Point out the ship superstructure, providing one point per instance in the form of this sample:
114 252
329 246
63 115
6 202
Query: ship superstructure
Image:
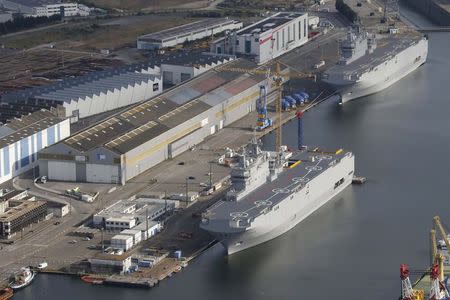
368 65
273 191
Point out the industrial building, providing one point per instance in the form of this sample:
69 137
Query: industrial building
57 209
187 65
82 98
6 195
125 214
187 32
101 91
21 139
20 212
130 142
63 9
266 39
45 8
104 263
148 229
122 241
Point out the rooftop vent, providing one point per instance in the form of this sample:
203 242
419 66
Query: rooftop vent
269 25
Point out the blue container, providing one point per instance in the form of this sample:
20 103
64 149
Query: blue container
291 100
305 96
285 104
299 98
145 264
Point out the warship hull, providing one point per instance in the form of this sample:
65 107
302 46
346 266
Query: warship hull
381 75
315 191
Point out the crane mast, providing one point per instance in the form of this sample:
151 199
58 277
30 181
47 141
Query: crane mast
438 223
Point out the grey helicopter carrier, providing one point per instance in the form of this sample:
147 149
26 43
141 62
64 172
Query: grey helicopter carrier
274 191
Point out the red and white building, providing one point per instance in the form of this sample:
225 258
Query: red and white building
266 39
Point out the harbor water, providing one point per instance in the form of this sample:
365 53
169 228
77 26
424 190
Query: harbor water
352 247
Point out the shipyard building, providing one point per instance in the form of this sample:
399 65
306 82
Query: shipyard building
186 33
132 141
89 95
21 139
18 210
266 39
63 9
107 90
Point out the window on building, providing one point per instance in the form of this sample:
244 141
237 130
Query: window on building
282 39
278 40
51 135
304 28
156 86
299 30
293 31
39 141
6 163
185 76
289 33
256 40
248 46
237 42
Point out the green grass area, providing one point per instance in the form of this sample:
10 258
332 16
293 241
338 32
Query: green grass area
137 4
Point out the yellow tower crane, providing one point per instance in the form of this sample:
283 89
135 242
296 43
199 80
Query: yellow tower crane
278 78
438 257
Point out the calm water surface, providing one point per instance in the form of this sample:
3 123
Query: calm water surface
352 247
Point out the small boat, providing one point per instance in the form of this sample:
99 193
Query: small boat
359 179
6 294
92 280
177 269
22 279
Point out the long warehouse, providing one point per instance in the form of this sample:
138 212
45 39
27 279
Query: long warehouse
129 143
21 139
187 32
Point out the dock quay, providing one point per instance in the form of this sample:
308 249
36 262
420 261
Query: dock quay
67 253
168 175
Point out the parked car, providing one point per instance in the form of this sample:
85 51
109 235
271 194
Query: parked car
42 265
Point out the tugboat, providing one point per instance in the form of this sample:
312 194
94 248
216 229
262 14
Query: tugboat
6 294
22 279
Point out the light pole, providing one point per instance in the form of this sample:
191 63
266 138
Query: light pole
210 174
187 187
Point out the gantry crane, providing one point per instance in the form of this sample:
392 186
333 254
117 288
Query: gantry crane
278 78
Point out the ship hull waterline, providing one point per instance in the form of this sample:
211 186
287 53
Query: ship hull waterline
242 241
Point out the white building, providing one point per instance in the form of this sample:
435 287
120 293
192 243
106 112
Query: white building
266 39
21 139
120 241
120 223
100 92
153 228
126 214
187 32
108 263
63 9
136 234
58 209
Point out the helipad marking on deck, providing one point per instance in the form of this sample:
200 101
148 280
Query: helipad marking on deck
239 214
263 203
313 168
300 179
281 191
